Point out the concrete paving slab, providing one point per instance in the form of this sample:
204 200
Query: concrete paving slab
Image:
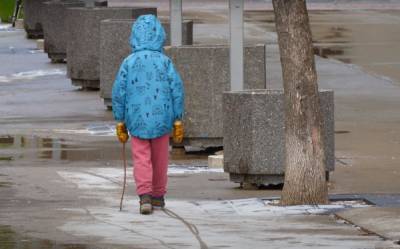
382 221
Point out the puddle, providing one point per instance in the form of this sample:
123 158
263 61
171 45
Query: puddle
5 184
12 240
13 148
24 147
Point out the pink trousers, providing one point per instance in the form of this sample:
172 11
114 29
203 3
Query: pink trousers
150 165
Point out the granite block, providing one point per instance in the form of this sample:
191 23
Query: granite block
114 47
33 14
205 73
83 45
54 28
254 133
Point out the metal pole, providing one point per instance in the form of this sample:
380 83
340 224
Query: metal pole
175 8
236 41
17 9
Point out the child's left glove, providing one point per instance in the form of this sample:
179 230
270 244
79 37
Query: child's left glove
178 132
122 132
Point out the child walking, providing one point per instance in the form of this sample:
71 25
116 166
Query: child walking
148 97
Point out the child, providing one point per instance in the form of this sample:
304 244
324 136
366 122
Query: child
148 97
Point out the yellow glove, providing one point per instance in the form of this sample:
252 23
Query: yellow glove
177 135
122 133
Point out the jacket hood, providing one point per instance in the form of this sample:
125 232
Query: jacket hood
147 34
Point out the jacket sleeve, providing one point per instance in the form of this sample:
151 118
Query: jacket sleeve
119 92
177 90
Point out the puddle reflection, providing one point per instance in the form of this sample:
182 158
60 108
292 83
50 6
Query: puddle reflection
21 147
30 148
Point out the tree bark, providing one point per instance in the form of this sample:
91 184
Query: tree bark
305 181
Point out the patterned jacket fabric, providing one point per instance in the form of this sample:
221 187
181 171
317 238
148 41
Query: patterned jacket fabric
148 93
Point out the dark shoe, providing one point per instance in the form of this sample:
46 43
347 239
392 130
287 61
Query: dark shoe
145 204
158 202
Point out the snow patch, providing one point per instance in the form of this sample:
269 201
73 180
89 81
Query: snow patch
89 181
31 75
176 170
5 27
112 178
243 223
107 130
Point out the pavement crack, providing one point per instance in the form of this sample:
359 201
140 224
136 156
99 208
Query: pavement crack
192 228
341 161
104 177
129 230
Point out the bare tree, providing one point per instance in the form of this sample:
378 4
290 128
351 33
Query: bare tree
305 181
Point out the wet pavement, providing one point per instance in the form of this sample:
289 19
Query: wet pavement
61 171
35 149
367 38
9 239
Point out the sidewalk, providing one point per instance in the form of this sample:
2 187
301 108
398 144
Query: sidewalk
66 191
382 221
80 205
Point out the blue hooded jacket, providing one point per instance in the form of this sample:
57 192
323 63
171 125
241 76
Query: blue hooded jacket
148 93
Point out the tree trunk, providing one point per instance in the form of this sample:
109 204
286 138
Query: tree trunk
305 158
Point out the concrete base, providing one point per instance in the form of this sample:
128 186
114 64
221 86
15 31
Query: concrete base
114 47
40 44
204 70
86 84
202 142
262 179
57 57
256 179
216 161
19 24
101 3
34 34
254 135
83 45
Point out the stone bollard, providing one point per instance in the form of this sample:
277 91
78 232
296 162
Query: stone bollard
83 45
254 135
114 47
205 73
33 14
54 29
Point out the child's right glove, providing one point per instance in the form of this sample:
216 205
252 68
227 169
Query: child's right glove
177 135
122 133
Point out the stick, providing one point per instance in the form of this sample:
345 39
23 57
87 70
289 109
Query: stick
123 187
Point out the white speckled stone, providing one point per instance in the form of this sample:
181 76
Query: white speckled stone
54 28
205 73
83 45
254 133
114 47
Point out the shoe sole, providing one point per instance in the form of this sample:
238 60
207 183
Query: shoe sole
158 204
158 207
146 209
